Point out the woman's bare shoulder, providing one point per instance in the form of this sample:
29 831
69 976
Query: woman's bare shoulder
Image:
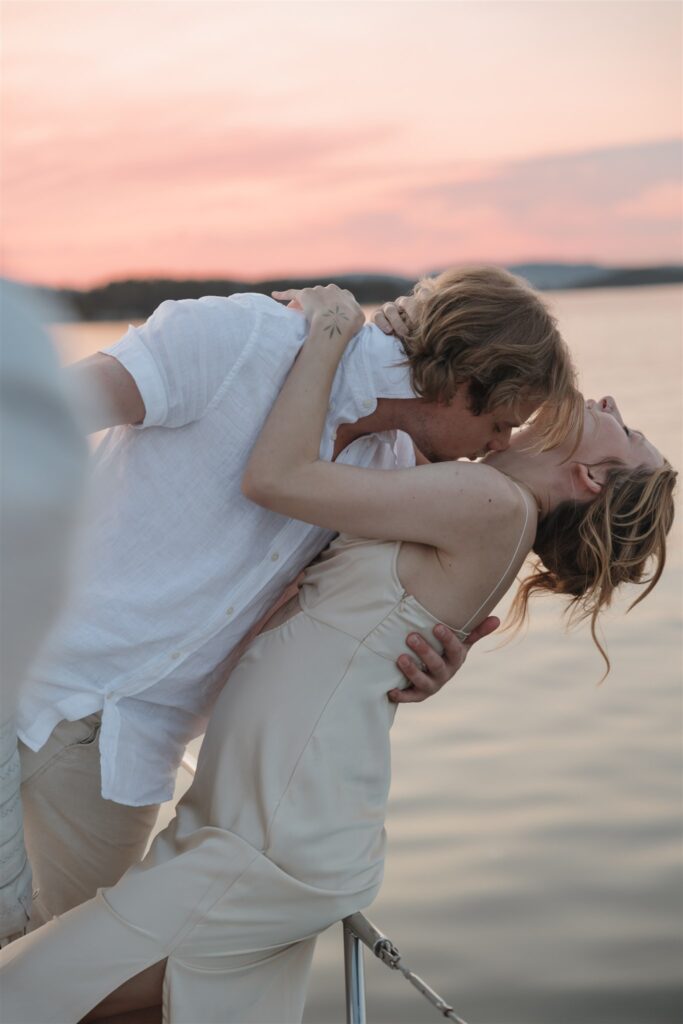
492 510
492 492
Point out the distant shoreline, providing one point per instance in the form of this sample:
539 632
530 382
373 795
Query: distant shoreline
137 299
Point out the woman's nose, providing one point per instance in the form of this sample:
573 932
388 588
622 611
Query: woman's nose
607 404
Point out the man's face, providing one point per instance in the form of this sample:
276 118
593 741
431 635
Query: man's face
452 431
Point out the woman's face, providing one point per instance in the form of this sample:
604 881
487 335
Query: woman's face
607 438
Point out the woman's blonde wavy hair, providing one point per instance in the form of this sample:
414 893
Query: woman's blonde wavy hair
585 550
483 327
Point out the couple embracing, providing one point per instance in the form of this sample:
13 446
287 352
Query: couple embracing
232 465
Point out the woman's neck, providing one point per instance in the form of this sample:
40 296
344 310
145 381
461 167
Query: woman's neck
536 471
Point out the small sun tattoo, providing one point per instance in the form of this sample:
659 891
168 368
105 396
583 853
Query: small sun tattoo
334 316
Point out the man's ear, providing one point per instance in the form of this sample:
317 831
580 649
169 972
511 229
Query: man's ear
585 483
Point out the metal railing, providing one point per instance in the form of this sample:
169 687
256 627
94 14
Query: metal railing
359 932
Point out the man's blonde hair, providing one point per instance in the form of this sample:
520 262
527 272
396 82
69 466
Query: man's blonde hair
484 328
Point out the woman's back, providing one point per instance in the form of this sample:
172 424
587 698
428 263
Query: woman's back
459 587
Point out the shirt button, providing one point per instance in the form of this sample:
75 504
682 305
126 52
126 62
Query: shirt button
229 611
367 404
175 655
274 557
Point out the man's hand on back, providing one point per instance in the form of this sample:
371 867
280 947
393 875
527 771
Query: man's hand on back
436 668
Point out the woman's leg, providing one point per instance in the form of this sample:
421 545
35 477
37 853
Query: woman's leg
150 1015
265 988
58 973
260 987
138 998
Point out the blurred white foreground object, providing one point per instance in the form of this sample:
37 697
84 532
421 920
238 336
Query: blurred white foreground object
42 460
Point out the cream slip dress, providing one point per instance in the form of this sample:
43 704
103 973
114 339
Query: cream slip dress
280 835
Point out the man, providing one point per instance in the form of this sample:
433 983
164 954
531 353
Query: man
180 567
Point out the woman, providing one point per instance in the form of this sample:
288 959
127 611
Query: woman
281 833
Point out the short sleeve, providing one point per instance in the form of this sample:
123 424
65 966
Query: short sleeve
404 449
182 355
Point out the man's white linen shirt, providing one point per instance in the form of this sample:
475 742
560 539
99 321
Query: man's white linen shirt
178 565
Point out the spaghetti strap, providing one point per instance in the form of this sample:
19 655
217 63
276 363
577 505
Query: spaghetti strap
464 628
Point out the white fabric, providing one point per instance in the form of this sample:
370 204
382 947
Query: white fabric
179 564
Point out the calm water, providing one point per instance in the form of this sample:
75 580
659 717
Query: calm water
534 873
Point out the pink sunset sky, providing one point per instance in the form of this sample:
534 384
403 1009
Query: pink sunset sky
247 140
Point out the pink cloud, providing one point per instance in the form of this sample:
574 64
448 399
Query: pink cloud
660 202
146 138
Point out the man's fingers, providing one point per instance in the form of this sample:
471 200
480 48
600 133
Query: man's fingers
408 696
435 669
423 685
484 628
431 659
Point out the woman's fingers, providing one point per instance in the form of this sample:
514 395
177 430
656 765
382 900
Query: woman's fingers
380 320
290 296
396 320
336 307
395 317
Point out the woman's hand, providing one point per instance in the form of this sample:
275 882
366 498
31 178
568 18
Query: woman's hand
284 465
396 317
332 310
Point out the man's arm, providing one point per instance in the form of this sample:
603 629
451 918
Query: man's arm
106 392
167 371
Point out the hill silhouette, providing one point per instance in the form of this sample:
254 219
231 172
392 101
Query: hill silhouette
137 298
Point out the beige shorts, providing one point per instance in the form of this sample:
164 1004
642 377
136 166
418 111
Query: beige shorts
76 840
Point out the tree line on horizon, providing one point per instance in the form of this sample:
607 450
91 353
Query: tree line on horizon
138 298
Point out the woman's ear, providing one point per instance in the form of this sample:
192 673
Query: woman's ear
585 484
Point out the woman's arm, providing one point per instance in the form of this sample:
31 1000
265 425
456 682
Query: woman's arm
289 442
445 505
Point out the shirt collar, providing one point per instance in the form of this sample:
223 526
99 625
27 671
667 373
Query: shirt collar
378 360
